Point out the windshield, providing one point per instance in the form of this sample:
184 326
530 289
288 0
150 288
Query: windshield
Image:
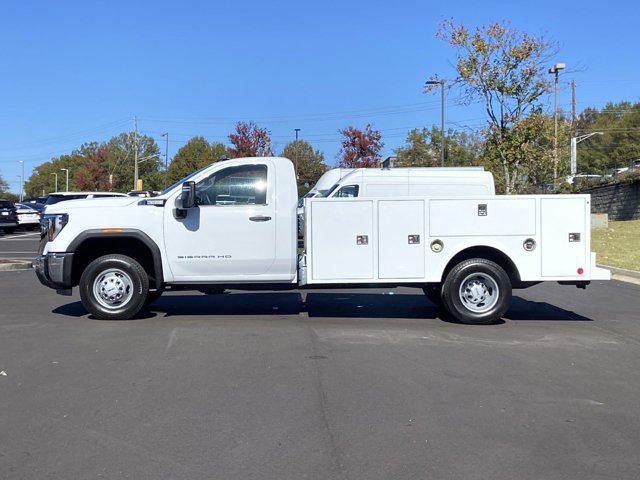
327 193
5 204
182 180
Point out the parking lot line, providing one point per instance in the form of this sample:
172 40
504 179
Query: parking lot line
18 237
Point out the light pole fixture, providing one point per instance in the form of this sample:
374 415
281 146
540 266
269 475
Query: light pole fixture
574 149
56 184
555 70
441 83
297 130
66 170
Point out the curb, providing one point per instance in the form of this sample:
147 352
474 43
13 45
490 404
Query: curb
623 275
13 266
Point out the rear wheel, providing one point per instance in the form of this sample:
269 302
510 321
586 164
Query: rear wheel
114 287
476 291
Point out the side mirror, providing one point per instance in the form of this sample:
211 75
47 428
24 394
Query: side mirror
188 195
186 200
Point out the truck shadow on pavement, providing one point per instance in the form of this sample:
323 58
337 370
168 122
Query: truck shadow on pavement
323 305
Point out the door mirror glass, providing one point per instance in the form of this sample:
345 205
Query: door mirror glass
188 196
186 200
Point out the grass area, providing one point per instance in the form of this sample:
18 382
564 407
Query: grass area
618 245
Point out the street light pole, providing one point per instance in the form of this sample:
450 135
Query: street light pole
56 187
574 149
66 170
22 180
441 83
297 130
135 153
555 70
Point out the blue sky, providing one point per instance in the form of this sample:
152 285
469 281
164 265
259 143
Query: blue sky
77 71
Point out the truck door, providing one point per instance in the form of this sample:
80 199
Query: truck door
401 239
564 236
231 233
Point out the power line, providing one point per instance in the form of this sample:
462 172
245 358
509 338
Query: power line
66 137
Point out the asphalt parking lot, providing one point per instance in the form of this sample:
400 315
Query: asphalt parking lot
365 384
20 245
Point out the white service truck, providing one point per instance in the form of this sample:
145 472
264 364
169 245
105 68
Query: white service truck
233 225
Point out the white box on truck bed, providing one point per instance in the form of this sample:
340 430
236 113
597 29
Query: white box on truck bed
385 241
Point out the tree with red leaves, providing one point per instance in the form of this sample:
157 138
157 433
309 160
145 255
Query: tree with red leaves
93 174
360 149
250 141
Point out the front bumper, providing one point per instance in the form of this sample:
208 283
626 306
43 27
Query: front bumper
54 270
6 222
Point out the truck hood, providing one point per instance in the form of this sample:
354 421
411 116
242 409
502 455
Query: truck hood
63 207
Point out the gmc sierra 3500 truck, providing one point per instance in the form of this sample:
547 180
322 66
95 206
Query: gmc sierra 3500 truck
233 225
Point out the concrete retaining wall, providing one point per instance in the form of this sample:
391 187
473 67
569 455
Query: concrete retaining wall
621 201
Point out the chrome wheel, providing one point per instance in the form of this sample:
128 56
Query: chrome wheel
113 288
479 292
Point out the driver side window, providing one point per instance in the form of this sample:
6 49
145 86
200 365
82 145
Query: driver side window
242 185
348 191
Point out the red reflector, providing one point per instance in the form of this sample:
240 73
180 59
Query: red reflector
580 271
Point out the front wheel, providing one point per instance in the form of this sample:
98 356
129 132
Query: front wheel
476 291
114 287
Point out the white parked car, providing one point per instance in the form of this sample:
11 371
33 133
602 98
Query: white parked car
27 215
233 225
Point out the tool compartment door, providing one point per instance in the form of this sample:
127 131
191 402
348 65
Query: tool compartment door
401 239
342 239
564 236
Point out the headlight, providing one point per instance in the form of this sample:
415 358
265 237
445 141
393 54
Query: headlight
52 224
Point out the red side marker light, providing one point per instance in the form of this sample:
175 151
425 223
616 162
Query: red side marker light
580 271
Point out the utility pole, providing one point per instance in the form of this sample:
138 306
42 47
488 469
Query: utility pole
135 153
22 180
297 131
555 70
56 187
166 157
573 108
66 170
441 83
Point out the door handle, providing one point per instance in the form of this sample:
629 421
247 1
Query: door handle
260 218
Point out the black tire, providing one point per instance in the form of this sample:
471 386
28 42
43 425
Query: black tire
483 269
433 291
152 296
138 289
9 229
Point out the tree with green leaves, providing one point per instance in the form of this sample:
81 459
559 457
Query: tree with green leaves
194 154
619 143
422 149
504 69
530 144
120 160
4 185
96 166
309 163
